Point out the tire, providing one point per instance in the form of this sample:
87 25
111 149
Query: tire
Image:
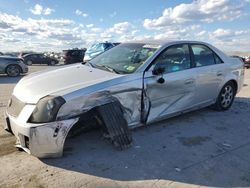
52 63
29 62
226 97
13 70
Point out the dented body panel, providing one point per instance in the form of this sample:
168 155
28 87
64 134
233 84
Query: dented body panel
142 98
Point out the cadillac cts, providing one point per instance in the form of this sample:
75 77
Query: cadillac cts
131 85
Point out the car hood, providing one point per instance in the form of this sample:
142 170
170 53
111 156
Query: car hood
59 81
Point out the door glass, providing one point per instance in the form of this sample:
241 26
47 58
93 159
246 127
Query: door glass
203 56
217 59
174 58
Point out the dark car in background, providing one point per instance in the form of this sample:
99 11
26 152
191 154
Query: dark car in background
97 49
246 61
21 54
12 66
30 59
73 55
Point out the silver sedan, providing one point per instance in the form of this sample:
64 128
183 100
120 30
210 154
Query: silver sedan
12 66
131 85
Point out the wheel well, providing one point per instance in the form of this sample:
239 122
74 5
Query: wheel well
16 66
235 84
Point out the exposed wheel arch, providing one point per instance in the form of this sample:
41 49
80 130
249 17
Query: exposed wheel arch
235 85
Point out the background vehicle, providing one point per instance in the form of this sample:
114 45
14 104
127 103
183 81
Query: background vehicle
10 54
21 54
73 55
247 62
30 59
12 66
239 57
97 49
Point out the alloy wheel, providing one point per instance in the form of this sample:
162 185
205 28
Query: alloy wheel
13 70
227 96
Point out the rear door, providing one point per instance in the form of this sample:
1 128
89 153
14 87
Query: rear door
36 58
173 91
210 71
43 59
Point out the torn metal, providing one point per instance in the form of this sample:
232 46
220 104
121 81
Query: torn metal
114 125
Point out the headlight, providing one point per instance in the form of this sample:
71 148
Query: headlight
46 109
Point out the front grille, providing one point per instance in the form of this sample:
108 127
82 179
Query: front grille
15 106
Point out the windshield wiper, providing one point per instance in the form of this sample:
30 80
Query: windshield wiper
90 64
108 68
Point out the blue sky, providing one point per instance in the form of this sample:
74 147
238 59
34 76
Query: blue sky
57 25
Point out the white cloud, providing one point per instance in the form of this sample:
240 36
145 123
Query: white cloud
113 14
90 25
197 11
42 34
48 11
96 29
80 13
201 33
120 28
37 10
40 10
222 33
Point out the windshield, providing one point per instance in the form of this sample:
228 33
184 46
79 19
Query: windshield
95 48
124 58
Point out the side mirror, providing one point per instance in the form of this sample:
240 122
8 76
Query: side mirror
158 70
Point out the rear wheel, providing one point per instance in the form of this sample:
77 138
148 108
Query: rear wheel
13 70
226 97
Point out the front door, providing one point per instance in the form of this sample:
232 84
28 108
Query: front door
174 89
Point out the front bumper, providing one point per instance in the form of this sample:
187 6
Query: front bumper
41 140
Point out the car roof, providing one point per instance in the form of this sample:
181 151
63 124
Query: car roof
32 54
166 42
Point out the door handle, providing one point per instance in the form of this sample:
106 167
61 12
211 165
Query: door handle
219 73
189 81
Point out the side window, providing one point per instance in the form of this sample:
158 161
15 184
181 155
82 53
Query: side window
217 59
75 53
203 56
174 58
41 56
107 46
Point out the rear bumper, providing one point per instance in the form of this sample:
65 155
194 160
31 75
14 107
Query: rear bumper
247 65
25 69
41 140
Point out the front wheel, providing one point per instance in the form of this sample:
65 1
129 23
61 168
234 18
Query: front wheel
13 70
226 97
